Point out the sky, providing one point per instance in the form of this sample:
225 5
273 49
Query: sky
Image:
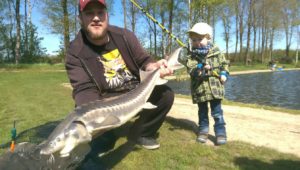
52 42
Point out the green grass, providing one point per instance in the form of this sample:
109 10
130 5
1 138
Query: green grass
31 99
242 67
37 101
32 67
179 150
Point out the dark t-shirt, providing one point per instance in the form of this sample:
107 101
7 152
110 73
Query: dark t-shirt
113 68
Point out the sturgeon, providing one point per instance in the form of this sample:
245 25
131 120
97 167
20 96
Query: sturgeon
97 117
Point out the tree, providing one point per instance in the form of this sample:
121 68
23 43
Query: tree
18 29
124 13
225 17
236 10
35 52
66 21
60 19
241 14
289 15
254 25
249 26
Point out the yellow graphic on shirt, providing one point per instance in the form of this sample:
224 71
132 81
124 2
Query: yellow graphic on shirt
115 70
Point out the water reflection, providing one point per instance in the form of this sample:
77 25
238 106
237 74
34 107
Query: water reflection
281 89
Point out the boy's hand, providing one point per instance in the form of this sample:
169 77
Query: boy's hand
223 79
223 76
207 67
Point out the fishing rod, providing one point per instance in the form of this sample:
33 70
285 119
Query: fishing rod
159 24
13 137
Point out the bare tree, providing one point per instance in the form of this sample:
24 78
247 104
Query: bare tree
289 15
171 11
241 15
236 28
124 13
249 26
162 12
254 25
64 6
18 30
225 17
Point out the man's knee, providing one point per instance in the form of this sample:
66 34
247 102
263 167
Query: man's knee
167 95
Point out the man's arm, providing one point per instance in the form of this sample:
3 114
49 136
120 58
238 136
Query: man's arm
84 90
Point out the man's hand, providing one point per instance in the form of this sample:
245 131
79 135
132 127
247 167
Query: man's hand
163 65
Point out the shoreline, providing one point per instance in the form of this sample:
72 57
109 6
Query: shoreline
184 77
260 71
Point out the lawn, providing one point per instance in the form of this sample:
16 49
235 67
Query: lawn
37 101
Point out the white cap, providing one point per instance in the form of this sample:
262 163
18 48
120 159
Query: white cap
202 28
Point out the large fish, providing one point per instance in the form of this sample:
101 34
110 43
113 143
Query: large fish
99 116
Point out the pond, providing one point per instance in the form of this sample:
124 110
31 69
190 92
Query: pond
279 88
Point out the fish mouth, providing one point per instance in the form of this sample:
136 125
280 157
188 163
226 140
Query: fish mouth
45 152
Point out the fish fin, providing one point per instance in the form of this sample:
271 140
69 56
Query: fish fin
143 75
149 105
161 81
110 120
65 152
173 59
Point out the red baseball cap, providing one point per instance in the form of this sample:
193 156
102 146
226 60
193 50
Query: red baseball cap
83 3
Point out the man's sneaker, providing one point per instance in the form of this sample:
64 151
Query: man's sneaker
147 142
202 137
221 140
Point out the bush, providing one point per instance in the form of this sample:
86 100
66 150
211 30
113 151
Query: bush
285 60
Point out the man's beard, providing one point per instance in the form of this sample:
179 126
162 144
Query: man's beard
93 36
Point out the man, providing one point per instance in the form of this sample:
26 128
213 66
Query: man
104 61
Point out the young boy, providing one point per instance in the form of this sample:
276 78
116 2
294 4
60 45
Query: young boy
208 70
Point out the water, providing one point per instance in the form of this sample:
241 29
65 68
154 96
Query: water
280 89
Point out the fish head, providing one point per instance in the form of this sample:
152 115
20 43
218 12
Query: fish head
53 145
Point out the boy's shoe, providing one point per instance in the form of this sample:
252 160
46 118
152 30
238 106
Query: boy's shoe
202 137
148 143
221 140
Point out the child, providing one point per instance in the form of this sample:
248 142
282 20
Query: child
208 70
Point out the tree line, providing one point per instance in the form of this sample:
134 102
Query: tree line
250 28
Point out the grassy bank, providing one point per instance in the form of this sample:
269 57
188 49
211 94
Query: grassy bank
32 67
242 67
38 101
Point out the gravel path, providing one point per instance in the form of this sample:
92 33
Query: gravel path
276 130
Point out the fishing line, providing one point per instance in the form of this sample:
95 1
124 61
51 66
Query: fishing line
159 24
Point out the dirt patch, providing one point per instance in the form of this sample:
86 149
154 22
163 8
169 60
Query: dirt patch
67 85
276 130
